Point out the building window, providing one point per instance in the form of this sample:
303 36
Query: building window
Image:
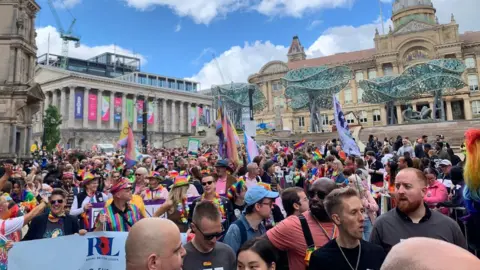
350 118
348 96
301 121
387 69
372 73
276 86
363 117
476 107
376 116
325 121
359 95
470 62
359 76
473 82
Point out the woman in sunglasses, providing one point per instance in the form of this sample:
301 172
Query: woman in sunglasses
56 223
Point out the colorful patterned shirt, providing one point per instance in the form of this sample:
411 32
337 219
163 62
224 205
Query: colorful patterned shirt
118 221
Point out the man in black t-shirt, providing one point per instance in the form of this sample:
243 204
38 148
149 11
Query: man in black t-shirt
348 251
375 168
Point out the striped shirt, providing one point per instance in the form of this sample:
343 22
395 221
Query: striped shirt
121 221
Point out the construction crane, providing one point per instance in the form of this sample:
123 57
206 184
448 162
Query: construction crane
66 36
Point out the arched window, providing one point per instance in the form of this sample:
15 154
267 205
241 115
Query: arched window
363 117
350 118
376 116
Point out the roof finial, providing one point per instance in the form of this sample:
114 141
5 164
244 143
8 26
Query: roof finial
376 32
436 19
390 29
452 19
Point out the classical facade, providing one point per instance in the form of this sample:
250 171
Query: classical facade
416 37
94 107
20 97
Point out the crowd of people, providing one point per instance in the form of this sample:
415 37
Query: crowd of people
291 207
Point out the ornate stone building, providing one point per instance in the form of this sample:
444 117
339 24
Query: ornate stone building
416 36
94 107
20 97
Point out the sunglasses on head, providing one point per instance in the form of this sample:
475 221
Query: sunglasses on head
210 236
320 194
207 183
56 201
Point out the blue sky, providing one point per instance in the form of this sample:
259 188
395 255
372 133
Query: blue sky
179 37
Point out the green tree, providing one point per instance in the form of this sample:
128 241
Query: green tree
51 124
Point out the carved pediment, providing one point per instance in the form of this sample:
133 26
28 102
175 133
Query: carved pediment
413 26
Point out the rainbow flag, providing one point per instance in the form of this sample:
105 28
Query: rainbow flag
299 144
132 155
228 137
122 141
317 155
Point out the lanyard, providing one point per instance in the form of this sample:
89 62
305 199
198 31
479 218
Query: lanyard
334 231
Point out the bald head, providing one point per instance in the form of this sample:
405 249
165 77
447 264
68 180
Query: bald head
153 242
429 254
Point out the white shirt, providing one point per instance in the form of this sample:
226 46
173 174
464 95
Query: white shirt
13 225
75 211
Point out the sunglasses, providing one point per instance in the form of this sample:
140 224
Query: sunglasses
207 183
210 236
56 201
320 194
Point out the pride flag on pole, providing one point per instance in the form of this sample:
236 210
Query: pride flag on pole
250 146
349 145
299 144
132 155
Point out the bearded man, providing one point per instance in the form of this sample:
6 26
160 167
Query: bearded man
412 217
300 235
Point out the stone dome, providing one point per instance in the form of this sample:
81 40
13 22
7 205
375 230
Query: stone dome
399 5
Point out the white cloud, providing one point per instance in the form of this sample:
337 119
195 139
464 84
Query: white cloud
465 12
201 11
178 27
204 11
297 8
312 25
345 39
82 52
238 63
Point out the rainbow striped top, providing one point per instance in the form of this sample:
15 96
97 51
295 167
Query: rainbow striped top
116 222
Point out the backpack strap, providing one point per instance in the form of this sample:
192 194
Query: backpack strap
243 231
307 234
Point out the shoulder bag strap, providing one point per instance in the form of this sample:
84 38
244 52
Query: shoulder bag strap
307 234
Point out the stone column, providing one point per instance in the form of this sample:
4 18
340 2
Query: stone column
134 113
71 108
449 110
156 114
54 98
62 106
163 124
181 126
85 107
124 108
112 110
399 114
414 105
173 116
99 108
48 100
379 71
28 135
189 118
467 108
383 115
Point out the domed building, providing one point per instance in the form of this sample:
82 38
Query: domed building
416 36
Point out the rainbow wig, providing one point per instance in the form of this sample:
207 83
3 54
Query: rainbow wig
235 189
472 170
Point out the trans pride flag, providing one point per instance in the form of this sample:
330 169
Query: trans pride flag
250 146
132 155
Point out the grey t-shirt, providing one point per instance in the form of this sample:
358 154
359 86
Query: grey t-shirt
220 258
393 227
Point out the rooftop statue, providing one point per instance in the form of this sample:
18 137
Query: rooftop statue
314 87
235 98
429 78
